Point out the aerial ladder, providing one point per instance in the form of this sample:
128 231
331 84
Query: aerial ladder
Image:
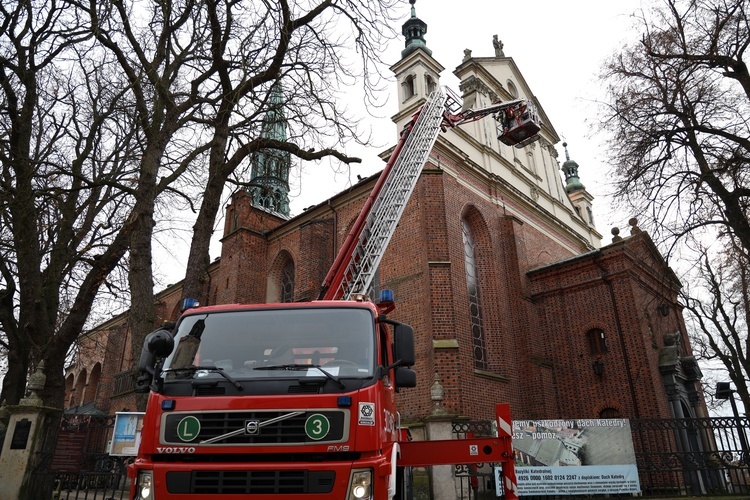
355 265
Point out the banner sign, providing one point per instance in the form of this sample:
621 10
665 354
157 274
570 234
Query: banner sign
127 435
573 457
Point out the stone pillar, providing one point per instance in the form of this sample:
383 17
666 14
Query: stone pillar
23 443
442 480
438 427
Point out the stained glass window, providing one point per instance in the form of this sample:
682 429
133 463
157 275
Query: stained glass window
287 282
475 299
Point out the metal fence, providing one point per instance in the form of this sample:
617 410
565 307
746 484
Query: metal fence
475 480
704 456
77 463
675 457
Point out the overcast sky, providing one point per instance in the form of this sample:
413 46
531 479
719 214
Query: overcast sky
559 48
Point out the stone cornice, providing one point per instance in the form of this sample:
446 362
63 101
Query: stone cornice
474 84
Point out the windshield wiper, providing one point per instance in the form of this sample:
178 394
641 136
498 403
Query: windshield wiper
299 366
214 369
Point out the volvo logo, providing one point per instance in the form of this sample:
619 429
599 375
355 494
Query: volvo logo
175 449
252 427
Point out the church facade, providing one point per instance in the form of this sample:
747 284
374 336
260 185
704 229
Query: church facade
496 264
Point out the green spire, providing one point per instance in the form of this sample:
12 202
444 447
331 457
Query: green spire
270 172
570 169
414 30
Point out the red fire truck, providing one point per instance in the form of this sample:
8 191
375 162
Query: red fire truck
299 399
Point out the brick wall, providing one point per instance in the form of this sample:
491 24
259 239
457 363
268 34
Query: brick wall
541 291
616 290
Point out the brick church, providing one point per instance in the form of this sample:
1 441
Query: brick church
496 263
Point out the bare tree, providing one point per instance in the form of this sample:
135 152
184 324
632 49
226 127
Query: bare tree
204 71
64 205
718 302
109 110
112 110
679 118
157 48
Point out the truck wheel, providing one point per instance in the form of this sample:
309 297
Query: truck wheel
404 490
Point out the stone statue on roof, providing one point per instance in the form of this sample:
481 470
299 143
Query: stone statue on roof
498 44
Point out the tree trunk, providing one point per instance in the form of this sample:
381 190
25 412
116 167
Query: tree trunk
14 383
140 276
199 259
196 271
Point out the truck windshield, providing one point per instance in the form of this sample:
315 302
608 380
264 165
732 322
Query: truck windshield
274 343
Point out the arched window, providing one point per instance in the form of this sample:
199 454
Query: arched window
597 341
80 389
287 282
409 87
475 298
280 281
69 399
96 374
429 84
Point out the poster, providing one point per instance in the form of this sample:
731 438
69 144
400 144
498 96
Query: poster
574 457
127 434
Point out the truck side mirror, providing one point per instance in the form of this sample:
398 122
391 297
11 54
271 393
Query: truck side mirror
403 345
160 342
157 344
405 377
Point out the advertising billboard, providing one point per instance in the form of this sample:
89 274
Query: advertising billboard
127 434
574 457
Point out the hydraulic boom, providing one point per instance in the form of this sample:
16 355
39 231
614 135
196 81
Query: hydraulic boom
353 269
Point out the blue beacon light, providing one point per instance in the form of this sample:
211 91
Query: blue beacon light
189 304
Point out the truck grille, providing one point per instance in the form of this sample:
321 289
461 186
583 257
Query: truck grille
250 482
243 428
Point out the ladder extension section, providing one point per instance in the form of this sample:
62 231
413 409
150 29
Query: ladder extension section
389 203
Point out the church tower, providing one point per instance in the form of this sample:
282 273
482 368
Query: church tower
417 73
270 173
579 197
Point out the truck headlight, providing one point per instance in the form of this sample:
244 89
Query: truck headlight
360 485
144 487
